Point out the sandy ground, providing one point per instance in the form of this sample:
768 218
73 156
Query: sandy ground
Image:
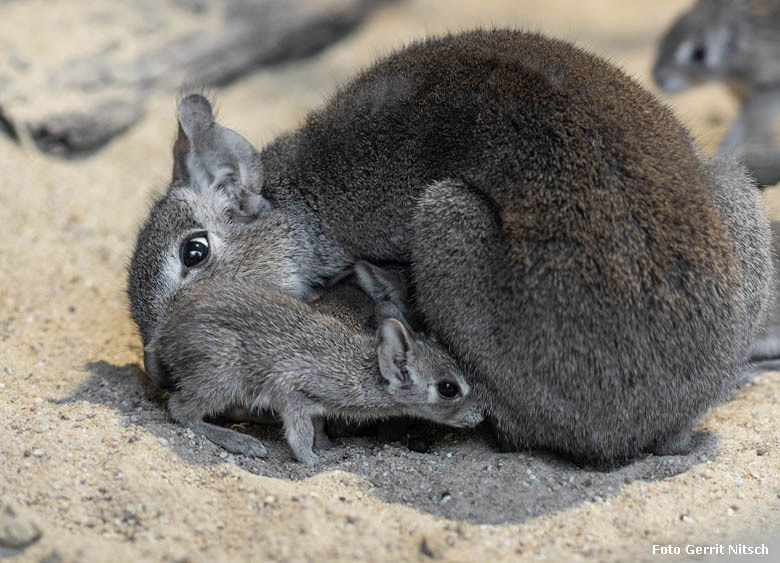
89 458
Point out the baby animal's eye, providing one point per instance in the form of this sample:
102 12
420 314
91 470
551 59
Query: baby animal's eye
698 55
195 250
448 389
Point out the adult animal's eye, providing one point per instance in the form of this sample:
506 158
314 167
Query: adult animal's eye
195 250
699 54
448 389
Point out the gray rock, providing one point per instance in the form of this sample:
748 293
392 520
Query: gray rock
80 132
253 33
16 531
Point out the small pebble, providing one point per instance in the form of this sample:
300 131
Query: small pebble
52 557
16 59
426 550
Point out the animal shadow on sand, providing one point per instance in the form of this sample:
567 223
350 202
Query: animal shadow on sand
458 474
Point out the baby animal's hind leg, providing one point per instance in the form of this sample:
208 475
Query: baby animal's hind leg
233 441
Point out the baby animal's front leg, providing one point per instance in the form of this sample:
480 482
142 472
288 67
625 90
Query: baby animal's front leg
299 431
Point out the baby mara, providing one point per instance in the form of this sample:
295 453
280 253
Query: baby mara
234 344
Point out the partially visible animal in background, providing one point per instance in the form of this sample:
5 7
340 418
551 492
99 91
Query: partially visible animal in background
754 137
766 347
737 42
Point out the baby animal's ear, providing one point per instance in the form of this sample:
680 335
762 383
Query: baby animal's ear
395 353
209 156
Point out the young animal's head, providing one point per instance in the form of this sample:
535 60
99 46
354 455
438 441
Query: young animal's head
200 227
698 45
423 378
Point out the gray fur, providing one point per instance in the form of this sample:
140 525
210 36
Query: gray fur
600 281
766 348
230 344
735 199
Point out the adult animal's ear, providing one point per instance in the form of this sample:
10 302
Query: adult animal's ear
181 148
208 156
396 353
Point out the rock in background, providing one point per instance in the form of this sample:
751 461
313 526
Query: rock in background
216 42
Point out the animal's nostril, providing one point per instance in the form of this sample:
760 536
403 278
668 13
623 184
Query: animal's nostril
155 370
